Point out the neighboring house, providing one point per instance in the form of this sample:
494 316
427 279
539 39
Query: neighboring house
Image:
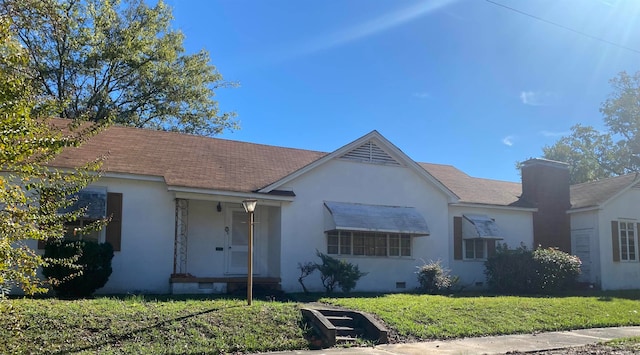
178 225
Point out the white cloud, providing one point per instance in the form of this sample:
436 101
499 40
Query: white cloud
508 140
538 98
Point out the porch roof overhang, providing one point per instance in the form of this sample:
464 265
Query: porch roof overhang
476 226
374 218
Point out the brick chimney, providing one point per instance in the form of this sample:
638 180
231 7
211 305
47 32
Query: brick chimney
545 184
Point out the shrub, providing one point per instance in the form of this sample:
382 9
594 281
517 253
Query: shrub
556 270
520 270
433 278
92 271
510 270
334 272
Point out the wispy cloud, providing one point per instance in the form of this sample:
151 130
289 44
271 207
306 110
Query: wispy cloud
508 140
538 98
365 29
555 134
422 95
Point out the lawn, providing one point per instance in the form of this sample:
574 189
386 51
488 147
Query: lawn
136 324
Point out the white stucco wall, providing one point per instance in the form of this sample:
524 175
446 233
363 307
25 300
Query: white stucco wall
346 181
516 227
618 275
146 260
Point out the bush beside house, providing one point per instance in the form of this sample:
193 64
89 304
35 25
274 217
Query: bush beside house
92 273
520 270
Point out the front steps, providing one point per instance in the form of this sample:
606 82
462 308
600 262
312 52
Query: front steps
344 326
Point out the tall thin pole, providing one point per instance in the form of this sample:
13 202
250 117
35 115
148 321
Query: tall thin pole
250 261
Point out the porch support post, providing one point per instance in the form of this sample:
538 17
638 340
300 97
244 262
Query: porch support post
181 233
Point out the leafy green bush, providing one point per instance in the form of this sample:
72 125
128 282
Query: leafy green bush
520 270
334 272
556 270
434 278
510 270
88 273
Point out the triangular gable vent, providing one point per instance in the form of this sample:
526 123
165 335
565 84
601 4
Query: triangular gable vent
370 153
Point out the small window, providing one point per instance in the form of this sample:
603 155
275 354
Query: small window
475 249
627 234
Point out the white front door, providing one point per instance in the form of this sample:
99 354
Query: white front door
238 241
581 242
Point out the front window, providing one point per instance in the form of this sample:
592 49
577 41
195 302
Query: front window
628 242
368 244
475 249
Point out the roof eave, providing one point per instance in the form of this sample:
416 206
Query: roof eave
493 206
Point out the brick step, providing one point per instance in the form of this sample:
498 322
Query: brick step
348 331
346 340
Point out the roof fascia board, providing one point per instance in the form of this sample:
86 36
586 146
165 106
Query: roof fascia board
132 176
495 207
373 135
584 209
219 195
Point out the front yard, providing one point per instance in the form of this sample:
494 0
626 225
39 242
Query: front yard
137 324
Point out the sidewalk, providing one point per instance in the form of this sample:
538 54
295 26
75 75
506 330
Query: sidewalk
488 345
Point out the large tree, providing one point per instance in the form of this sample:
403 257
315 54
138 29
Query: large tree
594 155
107 58
32 195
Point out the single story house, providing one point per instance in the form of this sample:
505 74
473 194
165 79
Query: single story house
178 225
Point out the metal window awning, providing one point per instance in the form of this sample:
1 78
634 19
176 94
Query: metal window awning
479 227
94 200
374 218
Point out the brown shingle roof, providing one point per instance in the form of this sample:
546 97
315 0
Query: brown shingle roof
191 161
595 193
188 160
475 190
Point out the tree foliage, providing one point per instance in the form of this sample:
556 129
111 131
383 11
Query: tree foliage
591 155
31 195
102 59
595 155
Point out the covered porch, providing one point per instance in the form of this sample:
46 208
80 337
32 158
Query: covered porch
211 246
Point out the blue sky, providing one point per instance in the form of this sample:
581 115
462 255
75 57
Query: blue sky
461 82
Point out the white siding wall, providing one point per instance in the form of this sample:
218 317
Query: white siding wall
618 275
344 181
516 228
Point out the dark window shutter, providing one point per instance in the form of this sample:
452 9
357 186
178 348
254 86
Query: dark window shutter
41 244
114 228
491 247
615 240
457 238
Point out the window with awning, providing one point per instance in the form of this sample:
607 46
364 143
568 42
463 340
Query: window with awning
474 237
342 216
372 230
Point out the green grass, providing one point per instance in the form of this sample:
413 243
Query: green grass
443 317
139 325
152 325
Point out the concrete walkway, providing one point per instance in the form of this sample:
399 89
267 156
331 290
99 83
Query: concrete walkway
489 345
